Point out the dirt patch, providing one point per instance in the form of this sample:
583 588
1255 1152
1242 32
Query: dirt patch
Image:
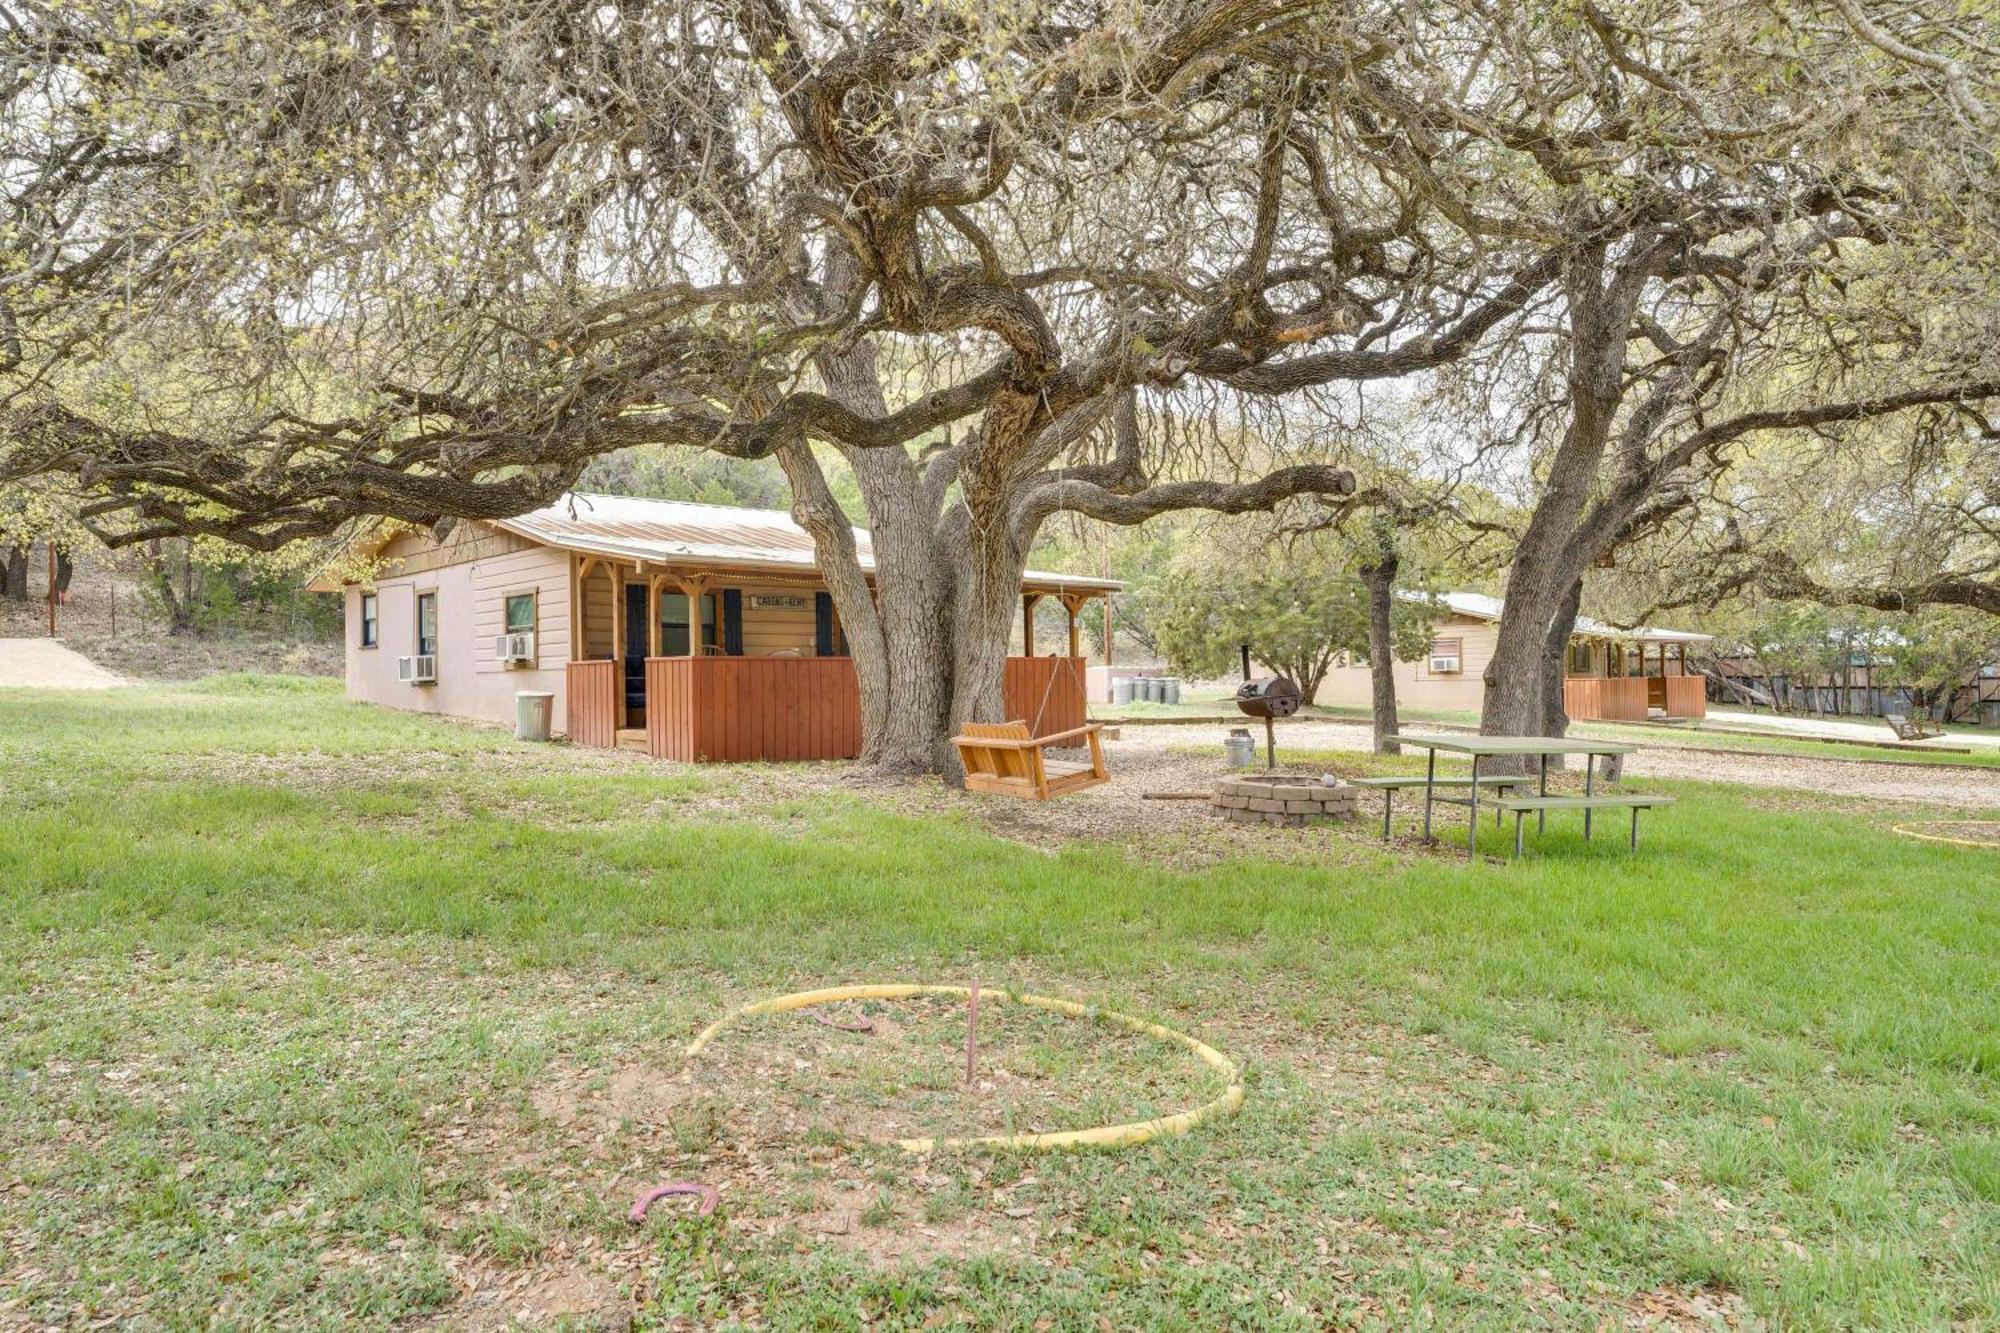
787 1077
1681 1307
496 1298
1971 832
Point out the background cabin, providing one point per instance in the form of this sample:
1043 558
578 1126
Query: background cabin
1610 674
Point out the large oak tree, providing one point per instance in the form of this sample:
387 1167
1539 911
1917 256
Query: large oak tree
269 269
425 261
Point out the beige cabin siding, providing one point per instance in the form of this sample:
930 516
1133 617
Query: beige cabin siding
471 683
538 570
773 629
599 591
1416 684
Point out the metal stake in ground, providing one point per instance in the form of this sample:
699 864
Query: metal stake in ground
972 1034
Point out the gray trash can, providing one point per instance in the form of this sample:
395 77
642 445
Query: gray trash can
1172 686
533 712
1121 690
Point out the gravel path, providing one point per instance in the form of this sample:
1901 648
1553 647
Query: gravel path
45 664
1971 788
1827 728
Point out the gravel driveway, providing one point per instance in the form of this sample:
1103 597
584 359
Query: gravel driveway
1970 788
44 664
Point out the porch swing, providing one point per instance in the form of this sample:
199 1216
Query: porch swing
1006 759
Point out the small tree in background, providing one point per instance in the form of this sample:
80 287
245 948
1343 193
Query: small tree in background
1933 652
1300 608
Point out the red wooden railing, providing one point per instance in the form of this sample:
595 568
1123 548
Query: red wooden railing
731 709
593 702
1605 698
1687 696
1025 686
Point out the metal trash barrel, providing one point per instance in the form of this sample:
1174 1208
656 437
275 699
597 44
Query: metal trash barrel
1121 690
1172 686
534 711
1240 748
1156 692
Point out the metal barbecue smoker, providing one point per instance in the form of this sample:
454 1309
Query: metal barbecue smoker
1270 698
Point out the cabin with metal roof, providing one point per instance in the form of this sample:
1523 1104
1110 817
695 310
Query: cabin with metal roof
695 632
1610 674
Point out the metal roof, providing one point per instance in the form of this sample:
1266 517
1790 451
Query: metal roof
1481 607
682 532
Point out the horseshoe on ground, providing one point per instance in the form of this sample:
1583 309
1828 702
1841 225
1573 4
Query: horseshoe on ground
843 1025
709 1198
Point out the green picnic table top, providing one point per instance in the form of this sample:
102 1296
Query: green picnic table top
1492 745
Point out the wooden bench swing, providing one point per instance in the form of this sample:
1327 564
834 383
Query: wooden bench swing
1006 759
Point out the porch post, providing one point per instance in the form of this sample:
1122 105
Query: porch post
1028 600
694 587
653 616
1106 599
1073 604
617 577
575 610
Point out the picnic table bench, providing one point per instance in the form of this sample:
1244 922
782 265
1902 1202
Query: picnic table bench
1914 727
1389 786
1510 796
1539 806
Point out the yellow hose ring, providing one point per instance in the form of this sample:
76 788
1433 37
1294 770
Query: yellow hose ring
1910 831
1100 1136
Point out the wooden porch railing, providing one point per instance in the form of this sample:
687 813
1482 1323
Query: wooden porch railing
592 702
1687 696
1605 698
733 709
1026 684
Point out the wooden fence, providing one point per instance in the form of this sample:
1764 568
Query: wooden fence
1605 698
1687 696
592 701
1026 693
734 709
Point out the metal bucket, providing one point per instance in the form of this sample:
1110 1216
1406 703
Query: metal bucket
1121 690
533 712
1240 747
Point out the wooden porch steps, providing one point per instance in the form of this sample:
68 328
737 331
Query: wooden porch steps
632 738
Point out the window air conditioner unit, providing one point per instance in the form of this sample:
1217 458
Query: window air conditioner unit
419 670
514 648
1442 665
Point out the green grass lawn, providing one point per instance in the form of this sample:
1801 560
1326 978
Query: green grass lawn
319 1015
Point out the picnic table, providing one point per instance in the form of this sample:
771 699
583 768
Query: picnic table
1539 748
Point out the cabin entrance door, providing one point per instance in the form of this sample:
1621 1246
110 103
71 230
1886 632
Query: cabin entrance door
638 640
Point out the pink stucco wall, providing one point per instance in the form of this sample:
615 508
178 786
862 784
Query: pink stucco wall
471 596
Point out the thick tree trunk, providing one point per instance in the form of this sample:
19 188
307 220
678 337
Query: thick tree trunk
65 571
1380 580
14 574
989 588
900 630
1555 666
1547 564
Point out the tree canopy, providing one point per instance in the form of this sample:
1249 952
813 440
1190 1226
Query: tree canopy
267 269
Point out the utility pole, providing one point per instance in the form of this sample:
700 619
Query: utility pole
52 589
